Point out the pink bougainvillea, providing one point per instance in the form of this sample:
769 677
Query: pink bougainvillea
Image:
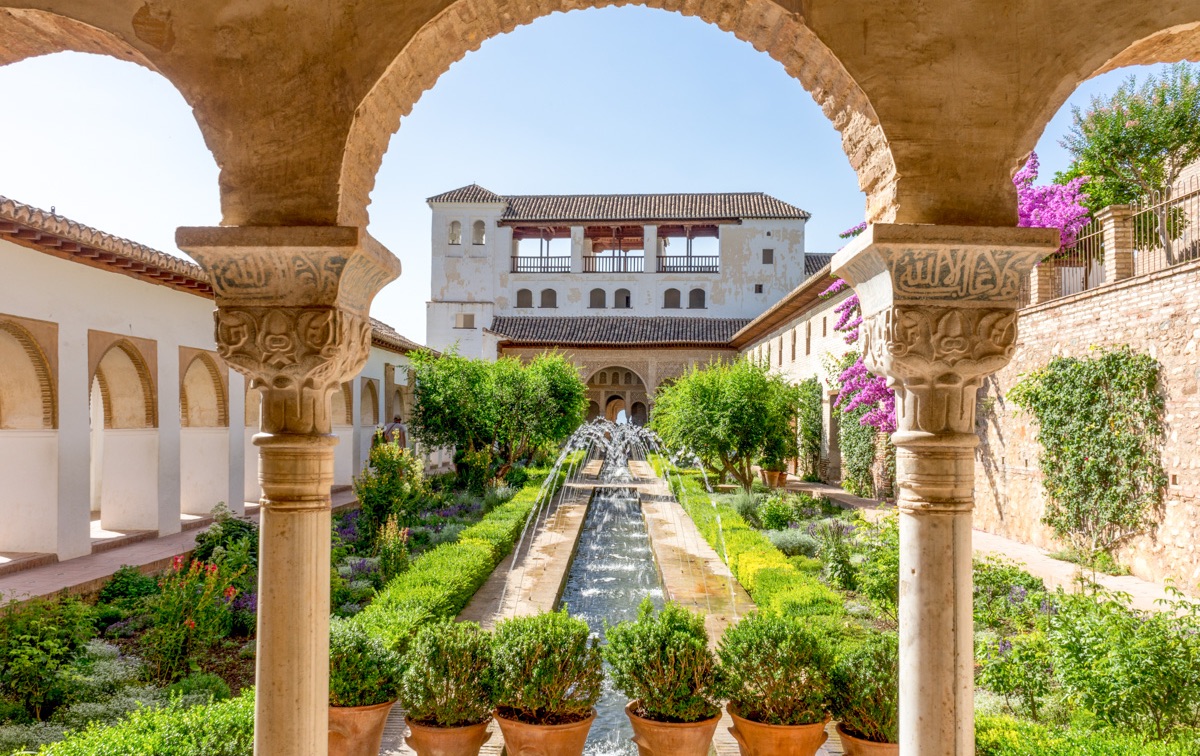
859 388
1052 206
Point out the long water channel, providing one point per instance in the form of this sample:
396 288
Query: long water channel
612 572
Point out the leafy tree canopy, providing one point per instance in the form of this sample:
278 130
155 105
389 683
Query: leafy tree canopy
1136 140
731 415
495 412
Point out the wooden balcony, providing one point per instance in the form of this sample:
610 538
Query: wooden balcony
558 264
686 264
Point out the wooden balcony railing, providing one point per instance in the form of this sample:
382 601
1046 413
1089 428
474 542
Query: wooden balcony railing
614 264
560 264
685 264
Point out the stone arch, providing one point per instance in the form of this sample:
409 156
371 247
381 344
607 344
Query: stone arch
202 401
615 371
127 387
637 413
398 409
464 25
341 405
614 406
369 414
28 399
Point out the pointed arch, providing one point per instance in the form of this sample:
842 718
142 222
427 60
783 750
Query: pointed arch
127 385
369 414
28 394
203 400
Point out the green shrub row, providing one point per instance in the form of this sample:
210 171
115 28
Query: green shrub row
768 575
437 585
441 582
224 728
1006 736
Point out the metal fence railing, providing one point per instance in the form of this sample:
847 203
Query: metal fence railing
1166 228
1069 271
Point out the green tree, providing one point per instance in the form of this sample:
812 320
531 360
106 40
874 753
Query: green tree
495 413
1136 142
808 425
730 415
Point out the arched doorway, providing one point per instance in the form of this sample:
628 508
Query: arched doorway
124 421
203 435
28 443
614 410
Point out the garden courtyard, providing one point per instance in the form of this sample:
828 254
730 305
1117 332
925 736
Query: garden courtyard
838 551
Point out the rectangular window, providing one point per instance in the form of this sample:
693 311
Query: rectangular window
758 288
824 326
807 337
781 351
793 345
464 320
768 257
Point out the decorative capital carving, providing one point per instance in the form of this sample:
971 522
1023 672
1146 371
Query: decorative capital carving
939 310
292 311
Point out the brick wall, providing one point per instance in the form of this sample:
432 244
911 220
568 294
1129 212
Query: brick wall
1157 314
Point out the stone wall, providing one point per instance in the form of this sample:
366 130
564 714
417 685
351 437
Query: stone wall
1154 314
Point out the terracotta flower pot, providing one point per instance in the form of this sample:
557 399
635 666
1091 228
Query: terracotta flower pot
522 739
758 739
853 746
357 730
671 739
447 741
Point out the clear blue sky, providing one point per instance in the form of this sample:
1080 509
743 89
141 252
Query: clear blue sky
612 100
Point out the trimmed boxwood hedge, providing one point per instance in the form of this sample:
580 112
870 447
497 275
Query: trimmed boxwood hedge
1006 736
438 585
772 579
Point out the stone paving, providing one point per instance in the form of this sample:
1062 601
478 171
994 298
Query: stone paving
86 574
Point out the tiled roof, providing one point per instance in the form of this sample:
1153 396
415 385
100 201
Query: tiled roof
384 335
563 208
813 263
468 193
62 237
617 330
65 238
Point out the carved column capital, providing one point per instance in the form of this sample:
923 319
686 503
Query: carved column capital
292 311
939 308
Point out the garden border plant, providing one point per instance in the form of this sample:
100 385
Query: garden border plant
1100 424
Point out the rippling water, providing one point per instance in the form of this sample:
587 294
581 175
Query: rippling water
612 572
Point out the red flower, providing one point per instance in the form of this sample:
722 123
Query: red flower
177 563
212 569
191 623
230 591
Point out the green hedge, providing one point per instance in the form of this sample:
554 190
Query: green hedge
770 577
1006 736
225 728
439 584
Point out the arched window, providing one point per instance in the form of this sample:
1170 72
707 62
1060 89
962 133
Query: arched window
603 378
455 235
478 232
696 299
628 378
596 300
671 299
622 300
524 298
549 298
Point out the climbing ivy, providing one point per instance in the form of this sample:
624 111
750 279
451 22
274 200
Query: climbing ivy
809 427
1101 430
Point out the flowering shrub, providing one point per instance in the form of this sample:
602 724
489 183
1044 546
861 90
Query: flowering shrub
1060 206
1019 669
190 614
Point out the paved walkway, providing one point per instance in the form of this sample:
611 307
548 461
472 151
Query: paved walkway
1037 561
87 574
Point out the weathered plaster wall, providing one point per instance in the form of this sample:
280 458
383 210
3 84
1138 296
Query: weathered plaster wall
1154 314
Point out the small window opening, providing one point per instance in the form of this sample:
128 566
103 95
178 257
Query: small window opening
768 257
479 232
464 320
455 235
758 288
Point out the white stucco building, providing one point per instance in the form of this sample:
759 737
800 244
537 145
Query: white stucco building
117 416
509 265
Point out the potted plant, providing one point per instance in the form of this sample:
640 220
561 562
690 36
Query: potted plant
664 664
773 470
547 674
777 677
866 697
446 689
364 677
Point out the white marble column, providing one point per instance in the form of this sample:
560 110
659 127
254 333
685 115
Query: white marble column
292 314
939 308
